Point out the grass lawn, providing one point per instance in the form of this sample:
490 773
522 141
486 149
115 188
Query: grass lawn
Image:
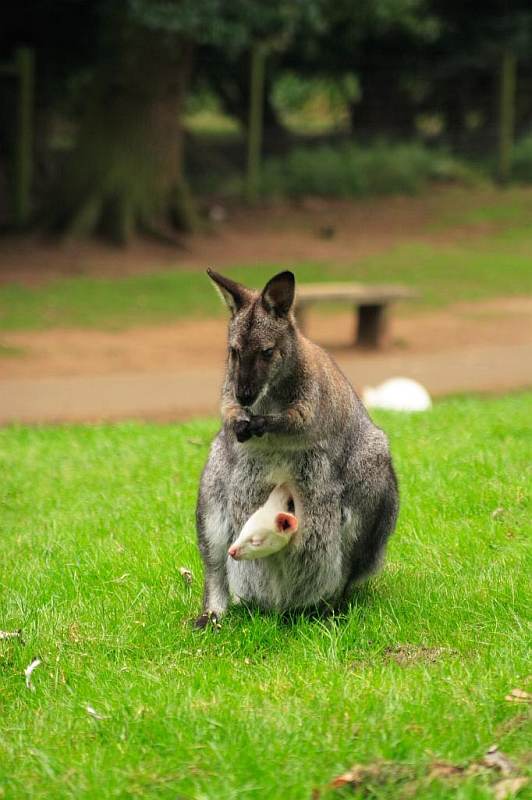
497 263
97 521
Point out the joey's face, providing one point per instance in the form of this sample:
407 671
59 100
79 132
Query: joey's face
265 541
259 545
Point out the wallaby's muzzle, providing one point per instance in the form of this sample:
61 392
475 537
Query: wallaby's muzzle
246 397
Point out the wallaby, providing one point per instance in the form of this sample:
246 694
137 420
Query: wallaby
290 416
269 529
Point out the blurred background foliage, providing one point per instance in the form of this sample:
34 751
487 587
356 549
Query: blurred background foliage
143 109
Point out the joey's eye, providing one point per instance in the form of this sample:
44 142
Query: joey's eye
268 353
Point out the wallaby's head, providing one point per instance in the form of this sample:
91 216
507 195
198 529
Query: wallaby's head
262 336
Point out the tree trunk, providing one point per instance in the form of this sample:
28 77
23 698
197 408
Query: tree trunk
127 170
234 90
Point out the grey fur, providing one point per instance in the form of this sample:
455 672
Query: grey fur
303 425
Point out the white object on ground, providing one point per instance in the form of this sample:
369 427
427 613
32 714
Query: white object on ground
11 634
28 671
397 394
269 529
186 574
93 713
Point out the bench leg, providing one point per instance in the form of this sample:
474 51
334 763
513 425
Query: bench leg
370 325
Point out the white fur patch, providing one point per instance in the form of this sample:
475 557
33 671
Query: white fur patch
216 531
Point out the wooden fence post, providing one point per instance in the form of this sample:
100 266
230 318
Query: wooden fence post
24 65
506 114
255 122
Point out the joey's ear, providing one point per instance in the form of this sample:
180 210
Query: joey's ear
233 294
278 294
286 523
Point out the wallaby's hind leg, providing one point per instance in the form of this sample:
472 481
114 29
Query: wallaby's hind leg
214 535
370 548
215 597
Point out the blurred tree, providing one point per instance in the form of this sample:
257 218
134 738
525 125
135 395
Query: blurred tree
125 66
63 44
120 70
382 41
128 169
275 25
473 68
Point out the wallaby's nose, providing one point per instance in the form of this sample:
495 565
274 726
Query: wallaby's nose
245 397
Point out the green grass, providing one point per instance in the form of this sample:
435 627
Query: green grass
498 264
96 522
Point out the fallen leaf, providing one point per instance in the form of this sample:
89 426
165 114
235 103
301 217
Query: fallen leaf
512 724
519 696
121 579
354 777
494 759
186 574
195 442
508 787
11 634
445 770
380 772
28 672
497 512
93 713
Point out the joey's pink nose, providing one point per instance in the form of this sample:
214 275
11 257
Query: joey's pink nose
233 551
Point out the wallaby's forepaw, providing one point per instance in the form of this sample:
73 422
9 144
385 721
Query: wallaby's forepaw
242 430
257 426
205 619
246 428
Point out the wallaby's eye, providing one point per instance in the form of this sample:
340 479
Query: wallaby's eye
268 353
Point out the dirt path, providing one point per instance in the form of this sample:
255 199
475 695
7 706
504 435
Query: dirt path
195 392
174 371
178 346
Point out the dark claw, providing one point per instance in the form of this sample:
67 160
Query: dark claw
208 618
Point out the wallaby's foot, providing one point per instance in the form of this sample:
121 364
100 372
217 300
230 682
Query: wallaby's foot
205 619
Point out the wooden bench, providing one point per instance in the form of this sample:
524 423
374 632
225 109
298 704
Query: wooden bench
371 304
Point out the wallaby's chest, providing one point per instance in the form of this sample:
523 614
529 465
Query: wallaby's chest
256 473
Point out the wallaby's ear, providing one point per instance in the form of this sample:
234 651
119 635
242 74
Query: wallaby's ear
278 294
233 294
